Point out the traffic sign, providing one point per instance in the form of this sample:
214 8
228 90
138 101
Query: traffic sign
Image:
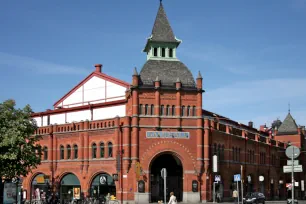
288 169
163 173
217 178
237 177
292 151
295 162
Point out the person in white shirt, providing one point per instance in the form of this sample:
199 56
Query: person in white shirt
172 199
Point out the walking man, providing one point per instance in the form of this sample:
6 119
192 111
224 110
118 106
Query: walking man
235 196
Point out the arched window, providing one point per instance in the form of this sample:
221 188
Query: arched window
233 154
170 52
219 152
110 149
173 110
222 153
68 152
183 110
94 150
168 110
62 152
152 109
215 149
45 153
188 111
155 51
75 151
140 109
238 155
146 109
194 111
101 150
163 52
162 110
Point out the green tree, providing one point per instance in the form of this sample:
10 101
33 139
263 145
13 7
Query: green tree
20 152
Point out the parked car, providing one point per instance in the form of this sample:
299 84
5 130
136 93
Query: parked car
289 201
254 197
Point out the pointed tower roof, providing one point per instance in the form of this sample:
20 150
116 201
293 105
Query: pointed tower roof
288 127
162 31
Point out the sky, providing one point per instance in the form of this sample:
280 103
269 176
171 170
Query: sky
252 54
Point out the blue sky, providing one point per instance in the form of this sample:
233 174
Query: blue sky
252 54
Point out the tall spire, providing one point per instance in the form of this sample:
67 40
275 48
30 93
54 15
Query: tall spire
162 31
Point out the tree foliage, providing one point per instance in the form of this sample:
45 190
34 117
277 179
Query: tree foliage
19 148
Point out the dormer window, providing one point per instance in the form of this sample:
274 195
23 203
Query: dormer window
163 52
170 52
155 52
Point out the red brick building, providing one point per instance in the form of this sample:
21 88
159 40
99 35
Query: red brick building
97 135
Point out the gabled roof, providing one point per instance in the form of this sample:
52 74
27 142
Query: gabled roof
97 74
162 31
288 127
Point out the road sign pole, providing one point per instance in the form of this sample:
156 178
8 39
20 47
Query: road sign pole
214 192
241 180
238 190
292 176
165 184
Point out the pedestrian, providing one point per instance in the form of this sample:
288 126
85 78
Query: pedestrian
172 199
235 196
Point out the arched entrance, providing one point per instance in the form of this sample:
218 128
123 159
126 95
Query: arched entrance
70 188
174 177
101 185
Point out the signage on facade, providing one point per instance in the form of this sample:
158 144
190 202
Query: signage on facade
40 179
302 185
103 180
194 186
215 163
76 193
141 186
161 134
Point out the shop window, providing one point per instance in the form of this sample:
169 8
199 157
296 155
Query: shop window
101 187
101 150
45 153
94 150
146 109
62 152
170 52
140 109
155 52
152 109
110 149
168 110
163 52
183 110
75 151
68 152
162 110
173 110
70 188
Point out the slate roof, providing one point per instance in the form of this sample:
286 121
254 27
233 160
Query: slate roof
167 72
162 31
288 127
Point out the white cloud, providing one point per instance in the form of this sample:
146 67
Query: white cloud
40 66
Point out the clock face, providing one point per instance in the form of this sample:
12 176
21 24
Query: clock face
103 180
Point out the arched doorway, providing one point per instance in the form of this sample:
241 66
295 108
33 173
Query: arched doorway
70 188
101 185
174 177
